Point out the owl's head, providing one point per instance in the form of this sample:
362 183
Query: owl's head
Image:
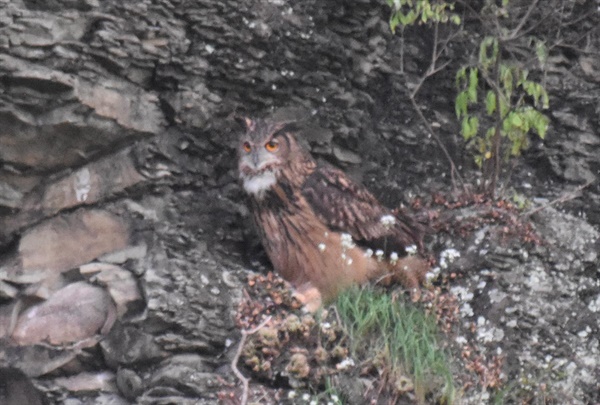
264 151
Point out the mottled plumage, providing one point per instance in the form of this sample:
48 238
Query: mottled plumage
320 229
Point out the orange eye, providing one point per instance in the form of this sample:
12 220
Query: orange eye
246 146
272 146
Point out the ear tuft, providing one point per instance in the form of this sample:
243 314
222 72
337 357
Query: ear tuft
248 123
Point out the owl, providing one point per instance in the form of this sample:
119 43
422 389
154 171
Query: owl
322 231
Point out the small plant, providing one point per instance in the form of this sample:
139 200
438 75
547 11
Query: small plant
409 12
498 127
400 339
500 102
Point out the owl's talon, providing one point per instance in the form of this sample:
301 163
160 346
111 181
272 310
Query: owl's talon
310 298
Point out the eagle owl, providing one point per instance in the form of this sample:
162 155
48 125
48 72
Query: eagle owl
322 231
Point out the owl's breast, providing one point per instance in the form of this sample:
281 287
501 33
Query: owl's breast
304 250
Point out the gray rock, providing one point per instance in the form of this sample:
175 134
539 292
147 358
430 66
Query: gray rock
120 284
65 242
72 314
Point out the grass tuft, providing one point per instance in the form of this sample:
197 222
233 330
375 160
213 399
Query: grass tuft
400 340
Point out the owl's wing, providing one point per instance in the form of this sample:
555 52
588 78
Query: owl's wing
346 206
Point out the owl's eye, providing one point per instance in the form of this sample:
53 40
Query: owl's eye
272 146
246 146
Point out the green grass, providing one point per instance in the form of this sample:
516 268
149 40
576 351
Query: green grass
401 337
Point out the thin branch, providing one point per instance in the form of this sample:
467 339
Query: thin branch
431 70
236 359
524 19
434 54
563 198
453 171
497 138
575 49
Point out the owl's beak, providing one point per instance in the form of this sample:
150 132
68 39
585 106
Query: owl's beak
255 159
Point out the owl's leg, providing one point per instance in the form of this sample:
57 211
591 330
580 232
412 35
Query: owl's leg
309 296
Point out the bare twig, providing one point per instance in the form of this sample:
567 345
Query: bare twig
236 359
563 198
496 139
524 19
453 171
431 70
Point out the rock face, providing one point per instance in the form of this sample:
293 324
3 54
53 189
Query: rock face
120 211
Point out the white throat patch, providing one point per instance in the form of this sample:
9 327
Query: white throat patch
260 183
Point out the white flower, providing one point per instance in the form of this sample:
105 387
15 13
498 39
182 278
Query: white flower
305 397
450 254
369 253
447 257
349 261
335 398
394 257
322 247
347 242
388 221
292 394
411 250
344 364
379 254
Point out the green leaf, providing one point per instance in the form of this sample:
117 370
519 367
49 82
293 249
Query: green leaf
426 13
489 44
473 82
542 52
516 147
506 80
538 92
394 23
460 105
507 124
461 77
523 73
469 127
516 120
539 122
408 18
490 102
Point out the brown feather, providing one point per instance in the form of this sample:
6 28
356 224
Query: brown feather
350 207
